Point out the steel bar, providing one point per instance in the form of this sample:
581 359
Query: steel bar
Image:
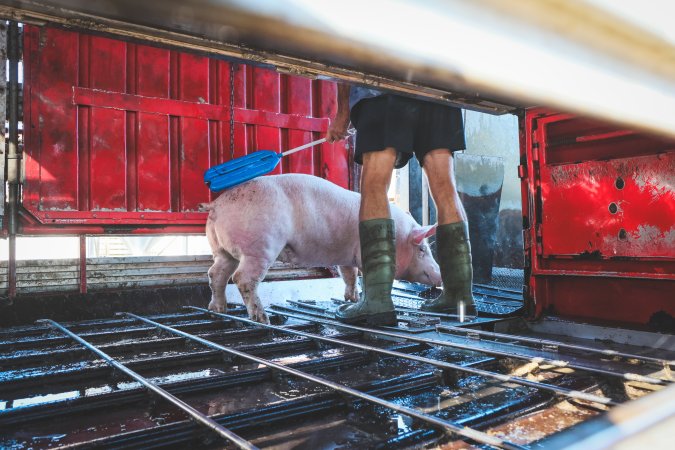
22 332
545 342
436 363
196 415
130 332
465 432
259 419
47 378
25 414
44 357
319 318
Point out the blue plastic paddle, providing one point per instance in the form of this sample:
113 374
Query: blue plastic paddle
239 170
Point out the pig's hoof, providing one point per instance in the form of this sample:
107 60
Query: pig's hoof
352 298
261 317
217 307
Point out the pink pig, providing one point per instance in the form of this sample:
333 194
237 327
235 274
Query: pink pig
306 221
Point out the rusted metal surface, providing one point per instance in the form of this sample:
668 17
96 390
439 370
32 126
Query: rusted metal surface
52 276
118 135
599 215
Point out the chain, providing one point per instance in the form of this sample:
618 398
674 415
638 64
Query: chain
233 67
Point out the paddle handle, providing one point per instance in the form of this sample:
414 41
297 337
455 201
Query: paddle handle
302 147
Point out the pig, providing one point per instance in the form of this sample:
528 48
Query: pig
302 220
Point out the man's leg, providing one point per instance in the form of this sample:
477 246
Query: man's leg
452 237
375 179
378 244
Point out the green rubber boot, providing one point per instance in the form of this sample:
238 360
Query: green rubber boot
454 260
378 260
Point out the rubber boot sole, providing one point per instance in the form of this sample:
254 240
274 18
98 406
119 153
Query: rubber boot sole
385 318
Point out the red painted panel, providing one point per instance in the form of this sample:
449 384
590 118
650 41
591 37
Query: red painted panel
266 93
193 73
586 213
151 132
298 101
107 151
119 134
334 161
107 182
599 215
152 161
52 166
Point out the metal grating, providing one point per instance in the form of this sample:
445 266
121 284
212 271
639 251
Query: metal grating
203 379
491 301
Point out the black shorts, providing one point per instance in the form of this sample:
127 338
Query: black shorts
409 125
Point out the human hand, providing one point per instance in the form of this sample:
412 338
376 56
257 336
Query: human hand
337 130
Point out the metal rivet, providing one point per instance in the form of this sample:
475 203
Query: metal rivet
613 208
619 183
623 235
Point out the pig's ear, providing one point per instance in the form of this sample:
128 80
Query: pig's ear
420 233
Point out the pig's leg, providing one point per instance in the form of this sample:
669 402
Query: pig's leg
349 275
220 272
249 274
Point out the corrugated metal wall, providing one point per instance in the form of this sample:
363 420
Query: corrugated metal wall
118 135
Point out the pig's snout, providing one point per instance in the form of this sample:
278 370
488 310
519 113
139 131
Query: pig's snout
433 277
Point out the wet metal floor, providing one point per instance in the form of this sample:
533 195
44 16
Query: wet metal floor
307 382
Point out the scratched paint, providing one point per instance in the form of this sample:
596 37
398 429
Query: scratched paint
585 211
599 210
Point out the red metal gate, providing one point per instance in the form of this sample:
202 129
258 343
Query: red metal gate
599 208
118 135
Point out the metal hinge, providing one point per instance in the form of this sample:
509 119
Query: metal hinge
522 171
